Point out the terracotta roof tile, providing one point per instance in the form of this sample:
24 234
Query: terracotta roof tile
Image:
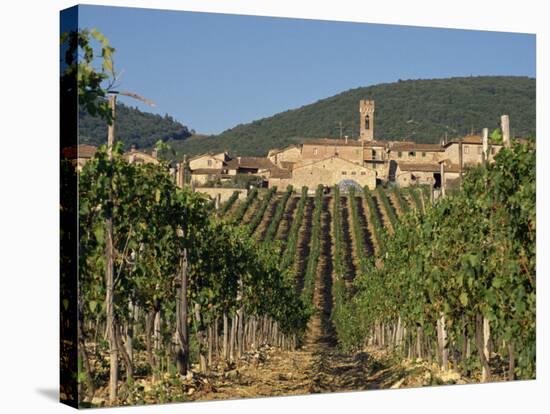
79 151
412 146
203 171
259 163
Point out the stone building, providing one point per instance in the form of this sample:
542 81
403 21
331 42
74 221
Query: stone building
286 157
141 157
365 160
79 155
327 171
209 167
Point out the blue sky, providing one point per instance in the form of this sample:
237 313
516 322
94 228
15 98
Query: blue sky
214 71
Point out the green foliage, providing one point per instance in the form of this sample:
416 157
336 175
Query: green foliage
278 215
241 211
401 200
261 210
416 198
388 207
471 254
376 223
78 58
289 252
227 205
496 136
341 317
154 222
315 250
416 110
133 127
364 261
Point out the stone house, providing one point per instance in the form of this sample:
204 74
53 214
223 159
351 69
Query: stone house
286 157
327 171
208 161
472 150
141 157
207 167
79 155
260 166
318 149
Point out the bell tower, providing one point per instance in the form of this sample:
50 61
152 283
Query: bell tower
366 116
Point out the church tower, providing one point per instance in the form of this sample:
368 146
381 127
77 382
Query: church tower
366 116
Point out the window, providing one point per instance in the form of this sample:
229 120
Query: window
466 149
209 163
373 154
412 154
363 173
374 166
315 151
344 172
399 154
354 173
423 155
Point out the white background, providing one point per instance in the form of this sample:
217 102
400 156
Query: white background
29 57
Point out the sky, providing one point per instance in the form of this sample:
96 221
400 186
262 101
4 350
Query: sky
214 71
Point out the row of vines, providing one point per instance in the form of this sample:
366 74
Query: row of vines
455 281
190 286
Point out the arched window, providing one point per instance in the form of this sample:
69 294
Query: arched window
367 122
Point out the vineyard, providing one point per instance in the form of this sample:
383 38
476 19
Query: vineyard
291 292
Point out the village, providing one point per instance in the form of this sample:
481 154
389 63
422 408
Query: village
363 162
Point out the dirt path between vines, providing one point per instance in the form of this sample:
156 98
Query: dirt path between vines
317 366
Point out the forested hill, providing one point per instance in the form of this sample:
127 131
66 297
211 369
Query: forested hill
133 126
418 110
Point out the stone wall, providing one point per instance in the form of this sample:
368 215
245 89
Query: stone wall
471 153
327 172
319 152
291 154
224 193
207 161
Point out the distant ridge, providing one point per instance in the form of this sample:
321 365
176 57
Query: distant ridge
133 127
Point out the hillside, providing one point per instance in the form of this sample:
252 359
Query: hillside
418 110
133 126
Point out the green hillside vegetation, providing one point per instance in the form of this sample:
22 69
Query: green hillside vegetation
417 110
133 127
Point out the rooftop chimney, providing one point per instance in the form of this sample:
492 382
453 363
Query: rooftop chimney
505 126
346 137
239 160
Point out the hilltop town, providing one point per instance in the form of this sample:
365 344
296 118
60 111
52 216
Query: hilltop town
365 161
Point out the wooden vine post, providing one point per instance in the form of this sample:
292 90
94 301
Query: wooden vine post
109 268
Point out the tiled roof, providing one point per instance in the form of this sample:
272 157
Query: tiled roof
207 154
428 167
419 167
412 146
376 144
280 173
79 151
468 139
334 142
204 171
274 151
259 163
